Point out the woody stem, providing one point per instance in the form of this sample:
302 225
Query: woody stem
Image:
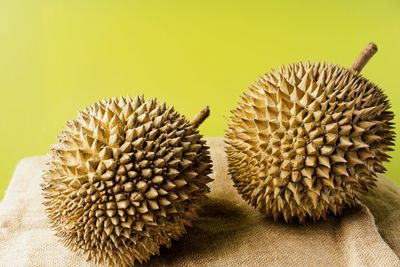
200 117
363 58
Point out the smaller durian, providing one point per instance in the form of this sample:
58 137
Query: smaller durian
126 177
308 140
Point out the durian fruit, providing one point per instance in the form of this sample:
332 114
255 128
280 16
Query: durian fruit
308 140
126 177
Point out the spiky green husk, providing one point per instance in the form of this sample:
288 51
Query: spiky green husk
308 140
125 178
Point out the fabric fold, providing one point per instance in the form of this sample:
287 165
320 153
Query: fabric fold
228 233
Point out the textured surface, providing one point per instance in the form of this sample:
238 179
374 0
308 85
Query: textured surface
72 53
126 177
229 232
308 140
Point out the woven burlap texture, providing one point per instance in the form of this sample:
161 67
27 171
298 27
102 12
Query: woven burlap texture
228 233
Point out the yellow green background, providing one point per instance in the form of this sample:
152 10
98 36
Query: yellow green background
57 57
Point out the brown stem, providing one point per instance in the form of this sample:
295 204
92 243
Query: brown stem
364 57
200 117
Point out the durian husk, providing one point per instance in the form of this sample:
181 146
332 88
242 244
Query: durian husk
308 140
126 177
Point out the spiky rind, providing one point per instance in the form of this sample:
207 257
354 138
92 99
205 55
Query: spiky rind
308 140
125 178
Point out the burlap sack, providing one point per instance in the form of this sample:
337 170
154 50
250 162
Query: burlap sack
229 232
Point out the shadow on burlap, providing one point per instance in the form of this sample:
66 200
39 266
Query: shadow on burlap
228 233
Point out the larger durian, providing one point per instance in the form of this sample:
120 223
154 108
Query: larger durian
309 139
125 178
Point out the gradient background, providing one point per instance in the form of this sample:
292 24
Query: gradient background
57 57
